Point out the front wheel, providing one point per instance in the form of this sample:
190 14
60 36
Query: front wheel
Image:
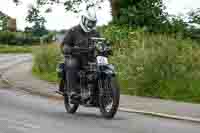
109 97
70 108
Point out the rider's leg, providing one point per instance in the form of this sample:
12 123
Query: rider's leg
61 75
71 69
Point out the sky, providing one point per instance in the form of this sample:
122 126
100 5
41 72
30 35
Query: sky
60 19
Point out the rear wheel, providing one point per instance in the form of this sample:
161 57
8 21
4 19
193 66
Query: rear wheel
109 97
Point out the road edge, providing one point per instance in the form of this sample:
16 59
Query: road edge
162 115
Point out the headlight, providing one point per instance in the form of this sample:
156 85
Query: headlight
99 47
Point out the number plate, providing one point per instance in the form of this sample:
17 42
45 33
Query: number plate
102 60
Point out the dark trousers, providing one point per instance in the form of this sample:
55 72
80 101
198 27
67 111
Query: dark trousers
73 65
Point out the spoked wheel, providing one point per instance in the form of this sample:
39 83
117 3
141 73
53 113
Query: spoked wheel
109 97
70 108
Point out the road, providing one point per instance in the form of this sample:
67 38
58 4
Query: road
24 113
8 60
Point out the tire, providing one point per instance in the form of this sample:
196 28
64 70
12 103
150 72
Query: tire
70 108
61 85
115 91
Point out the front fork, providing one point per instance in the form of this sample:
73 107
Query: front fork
104 72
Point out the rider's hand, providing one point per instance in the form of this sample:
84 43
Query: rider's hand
67 49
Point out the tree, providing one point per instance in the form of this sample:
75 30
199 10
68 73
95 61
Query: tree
16 2
194 22
74 5
194 16
34 16
141 12
138 13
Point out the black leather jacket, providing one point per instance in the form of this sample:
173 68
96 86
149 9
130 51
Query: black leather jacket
76 37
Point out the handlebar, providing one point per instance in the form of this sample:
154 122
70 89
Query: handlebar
99 44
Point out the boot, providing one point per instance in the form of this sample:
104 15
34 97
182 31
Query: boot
76 95
61 88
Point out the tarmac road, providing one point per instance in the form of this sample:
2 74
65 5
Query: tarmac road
23 113
8 60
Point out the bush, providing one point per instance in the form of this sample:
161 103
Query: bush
48 38
45 60
17 38
155 65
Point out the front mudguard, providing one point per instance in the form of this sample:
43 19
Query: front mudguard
106 71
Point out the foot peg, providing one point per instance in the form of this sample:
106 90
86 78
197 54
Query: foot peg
60 93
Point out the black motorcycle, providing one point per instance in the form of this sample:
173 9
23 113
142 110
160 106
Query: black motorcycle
98 84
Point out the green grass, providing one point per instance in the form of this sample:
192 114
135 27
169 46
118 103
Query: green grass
50 77
45 60
15 49
155 65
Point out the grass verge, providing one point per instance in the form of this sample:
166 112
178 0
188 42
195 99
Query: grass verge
50 77
45 60
15 49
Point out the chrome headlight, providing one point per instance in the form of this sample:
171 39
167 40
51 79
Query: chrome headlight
99 47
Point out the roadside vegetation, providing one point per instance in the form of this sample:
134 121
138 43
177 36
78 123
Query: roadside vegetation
156 54
45 60
20 42
15 49
152 65
156 65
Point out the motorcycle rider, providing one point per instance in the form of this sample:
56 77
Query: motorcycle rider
78 36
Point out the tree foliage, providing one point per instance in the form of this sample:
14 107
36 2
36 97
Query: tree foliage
141 13
194 16
134 12
34 16
148 14
194 20
70 5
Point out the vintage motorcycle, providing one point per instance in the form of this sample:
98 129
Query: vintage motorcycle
98 84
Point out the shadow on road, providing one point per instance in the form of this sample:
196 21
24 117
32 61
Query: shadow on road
90 115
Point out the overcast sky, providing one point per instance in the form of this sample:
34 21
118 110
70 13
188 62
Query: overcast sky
59 19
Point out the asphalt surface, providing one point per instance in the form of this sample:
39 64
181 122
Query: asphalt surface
21 112
8 60
24 113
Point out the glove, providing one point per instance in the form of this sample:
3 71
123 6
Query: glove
67 49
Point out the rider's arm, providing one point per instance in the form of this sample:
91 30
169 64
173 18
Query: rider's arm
66 44
97 34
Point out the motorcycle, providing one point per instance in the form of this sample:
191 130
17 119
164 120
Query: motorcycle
98 84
